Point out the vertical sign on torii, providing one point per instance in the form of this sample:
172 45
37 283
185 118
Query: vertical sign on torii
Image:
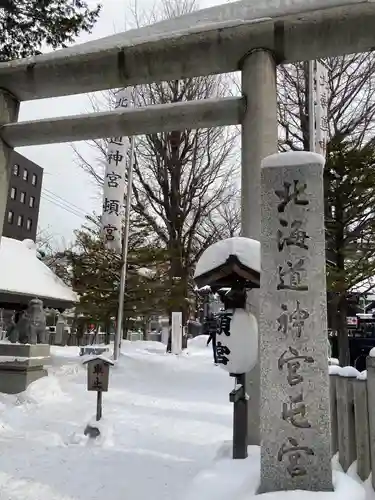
294 408
318 93
114 182
321 108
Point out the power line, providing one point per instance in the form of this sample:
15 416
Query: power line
67 209
63 203
63 208
63 199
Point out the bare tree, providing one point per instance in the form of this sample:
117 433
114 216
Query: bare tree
183 180
351 101
225 220
349 175
52 254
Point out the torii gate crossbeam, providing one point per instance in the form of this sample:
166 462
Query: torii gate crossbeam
148 55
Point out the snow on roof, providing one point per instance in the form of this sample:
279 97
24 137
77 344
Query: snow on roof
21 272
245 249
100 357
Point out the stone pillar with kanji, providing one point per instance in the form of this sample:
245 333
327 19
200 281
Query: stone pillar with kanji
294 408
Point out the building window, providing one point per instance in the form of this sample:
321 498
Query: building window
16 170
34 179
25 175
29 224
10 217
20 220
23 197
32 202
13 193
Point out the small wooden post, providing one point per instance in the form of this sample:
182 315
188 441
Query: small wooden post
333 406
97 380
346 422
370 364
99 401
362 429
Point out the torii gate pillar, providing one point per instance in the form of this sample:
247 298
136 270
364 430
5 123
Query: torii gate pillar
259 139
9 108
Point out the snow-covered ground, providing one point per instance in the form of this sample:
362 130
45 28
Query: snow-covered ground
165 431
164 415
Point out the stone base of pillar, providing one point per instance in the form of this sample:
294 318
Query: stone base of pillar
22 364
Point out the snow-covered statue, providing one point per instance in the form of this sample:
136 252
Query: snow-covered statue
231 267
31 327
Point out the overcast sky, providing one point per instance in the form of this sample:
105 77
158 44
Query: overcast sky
68 193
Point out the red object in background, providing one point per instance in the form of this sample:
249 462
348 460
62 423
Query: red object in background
352 321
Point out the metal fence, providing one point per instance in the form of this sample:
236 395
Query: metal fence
352 398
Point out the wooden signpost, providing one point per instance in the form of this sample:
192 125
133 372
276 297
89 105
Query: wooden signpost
97 379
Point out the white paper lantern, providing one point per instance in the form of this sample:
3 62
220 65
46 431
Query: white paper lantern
114 183
237 341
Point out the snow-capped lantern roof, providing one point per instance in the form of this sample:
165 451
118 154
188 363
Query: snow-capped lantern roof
227 261
23 276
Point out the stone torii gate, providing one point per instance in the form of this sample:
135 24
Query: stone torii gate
243 36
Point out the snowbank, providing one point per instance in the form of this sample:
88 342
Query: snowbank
198 343
227 479
45 391
240 480
104 439
197 347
